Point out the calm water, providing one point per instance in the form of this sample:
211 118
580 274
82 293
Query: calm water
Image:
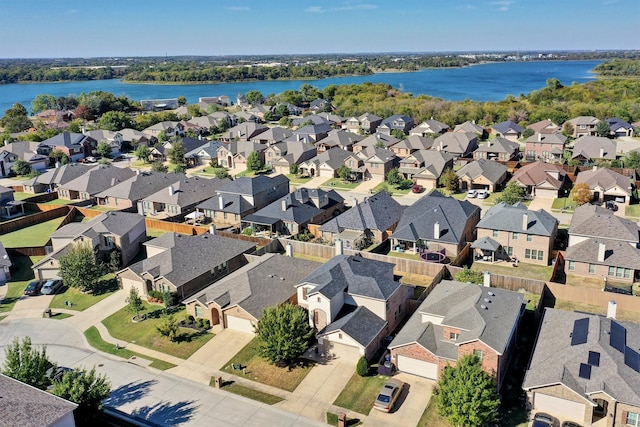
487 82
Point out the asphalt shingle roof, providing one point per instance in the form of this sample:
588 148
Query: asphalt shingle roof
378 212
617 254
606 179
594 221
499 145
99 179
507 126
540 174
594 147
455 142
188 191
141 185
114 222
489 169
361 324
506 217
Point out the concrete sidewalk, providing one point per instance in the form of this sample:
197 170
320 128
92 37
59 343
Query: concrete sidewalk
94 314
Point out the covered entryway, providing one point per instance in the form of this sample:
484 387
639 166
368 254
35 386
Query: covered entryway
215 316
554 405
417 367
239 324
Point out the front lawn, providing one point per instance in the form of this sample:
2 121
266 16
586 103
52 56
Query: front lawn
20 278
263 371
74 299
431 418
248 392
35 235
338 183
564 204
121 327
391 189
296 179
458 196
360 393
332 420
632 211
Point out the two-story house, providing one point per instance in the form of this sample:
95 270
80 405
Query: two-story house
94 181
541 179
425 167
130 192
398 122
32 152
282 155
429 127
458 144
411 144
75 145
366 123
499 148
582 126
548 147
234 154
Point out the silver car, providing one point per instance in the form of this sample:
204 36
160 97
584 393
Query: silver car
51 286
390 392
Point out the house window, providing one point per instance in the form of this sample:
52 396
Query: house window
572 266
627 273
529 237
319 299
478 354
514 236
453 336
495 233
109 240
612 271
540 255
304 293
350 163
508 250
224 215
583 126
633 419
592 269
339 336
527 253
198 311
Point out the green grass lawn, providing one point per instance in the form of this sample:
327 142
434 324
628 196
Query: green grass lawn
154 232
458 196
492 200
60 202
332 420
263 371
121 326
36 235
405 255
431 418
563 203
295 179
360 393
338 183
95 340
20 278
530 271
80 301
394 191
22 196
253 394
632 211
58 316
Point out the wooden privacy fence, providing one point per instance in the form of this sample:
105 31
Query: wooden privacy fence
508 282
27 251
594 297
36 218
190 230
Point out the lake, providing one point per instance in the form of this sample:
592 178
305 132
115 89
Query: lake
486 82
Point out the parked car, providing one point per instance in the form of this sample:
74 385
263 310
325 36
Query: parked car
472 193
51 286
544 420
417 188
119 158
34 287
483 194
611 206
570 424
390 392
91 159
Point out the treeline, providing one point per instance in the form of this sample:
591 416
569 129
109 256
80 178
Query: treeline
38 73
619 67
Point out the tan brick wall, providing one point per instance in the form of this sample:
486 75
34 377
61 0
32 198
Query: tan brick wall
539 243
398 301
565 393
490 359
446 335
414 351
601 271
621 413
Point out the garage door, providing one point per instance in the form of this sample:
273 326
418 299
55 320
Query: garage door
239 324
541 192
344 352
554 405
45 273
417 367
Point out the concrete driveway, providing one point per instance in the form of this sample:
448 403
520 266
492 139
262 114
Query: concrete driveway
30 306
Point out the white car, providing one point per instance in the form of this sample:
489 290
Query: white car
483 194
471 194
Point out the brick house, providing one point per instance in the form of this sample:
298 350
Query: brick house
508 129
548 147
457 319
365 123
541 179
482 174
95 180
498 148
607 185
583 125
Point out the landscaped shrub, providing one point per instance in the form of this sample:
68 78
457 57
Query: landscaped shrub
155 295
199 322
206 323
188 319
362 367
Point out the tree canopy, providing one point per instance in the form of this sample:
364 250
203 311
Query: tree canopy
28 364
103 149
80 268
511 194
16 119
86 388
581 193
255 162
449 180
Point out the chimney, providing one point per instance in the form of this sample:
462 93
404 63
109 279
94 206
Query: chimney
539 137
355 201
137 171
339 247
284 205
212 229
487 279
171 191
601 251
220 202
436 230
601 153
525 221
58 164
297 137
288 250
611 309
113 181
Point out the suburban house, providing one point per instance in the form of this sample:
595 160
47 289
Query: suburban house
471 127
379 140
482 174
582 126
585 368
411 144
282 155
436 223
458 144
135 136
246 116
425 167
457 319
274 135
341 139
354 303
513 231
378 162
53 178
169 128
184 264
28 151
123 232
180 197
246 131
396 122
499 148
540 179
238 300
588 148
75 145
508 129
93 181
312 133
313 119
10 208
546 126
161 152
292 213
619 127
130 192
203 154
368 222
320 104
241 197
5 263
429 127
27 406
602 244
327 163
548 147
334 120
234 154
55 119
366 123
114 139
607 185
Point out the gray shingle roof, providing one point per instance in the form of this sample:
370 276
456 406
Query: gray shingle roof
605 179
617 254
252 186
67 139
340 138
556 361
418 220
548 138
507 126
232 203
415 142
461 305
455 142
99 179
264 283
469 127
188 191
361 324
355 275
492 171
141 185
377 139
210 148
594 147
334 158
297 209
61 175
594 221
540 174
378 212
499 145
5 261
506 217
114 222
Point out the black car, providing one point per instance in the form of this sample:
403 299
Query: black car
611 206
544 420
34 287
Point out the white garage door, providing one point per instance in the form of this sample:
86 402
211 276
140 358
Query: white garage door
327 173
344 352
540 192
417 367
45 273
554 405
239 324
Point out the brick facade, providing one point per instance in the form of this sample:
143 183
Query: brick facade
521 242
599 271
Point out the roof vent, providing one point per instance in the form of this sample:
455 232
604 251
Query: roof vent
491 294
487 300
282 278
484 307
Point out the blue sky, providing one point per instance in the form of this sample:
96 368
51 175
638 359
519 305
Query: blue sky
89 28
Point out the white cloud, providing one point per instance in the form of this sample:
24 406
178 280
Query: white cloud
345 8
502 5
238 8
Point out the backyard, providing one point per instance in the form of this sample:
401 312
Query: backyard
35 235
530 271
263 371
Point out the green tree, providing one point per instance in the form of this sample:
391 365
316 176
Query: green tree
294 169
176 153
511 194
26 363
398 133
169 328
581 193
603 129
21 167
43 102
60 156
255 162
158 166
393 177
466 395
134 302
633 160
283 333
362 367
254 97
15 119
469 275
449 180
142 153
79 268
180 168
115 121
103 149
182 100
86 388
344 172
221 173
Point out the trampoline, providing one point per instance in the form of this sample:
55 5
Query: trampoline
432 256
